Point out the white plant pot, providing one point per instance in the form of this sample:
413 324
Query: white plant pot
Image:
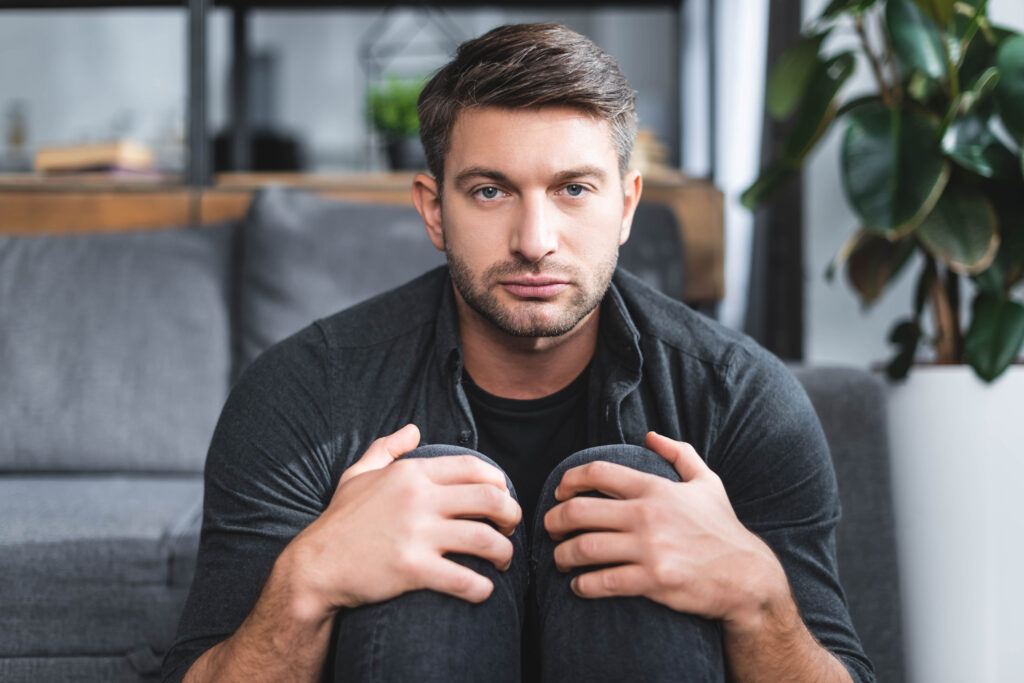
958 481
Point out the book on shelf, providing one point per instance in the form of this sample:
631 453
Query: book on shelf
117 156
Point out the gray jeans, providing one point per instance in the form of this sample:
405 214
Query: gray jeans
429 636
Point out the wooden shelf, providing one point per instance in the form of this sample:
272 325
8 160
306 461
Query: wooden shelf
33 204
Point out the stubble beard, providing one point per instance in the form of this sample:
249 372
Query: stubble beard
531 318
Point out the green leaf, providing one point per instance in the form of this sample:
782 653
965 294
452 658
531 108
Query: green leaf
788 80
982 86
1008 266
1010 88
962 232
392 106
915 38
906 335
981 51
971 143
767 184
818 108
893 170
875 262
940 11
996 335
843 255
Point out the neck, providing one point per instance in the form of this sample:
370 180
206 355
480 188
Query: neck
523 367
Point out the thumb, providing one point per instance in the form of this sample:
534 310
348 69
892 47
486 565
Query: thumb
383 451
680 454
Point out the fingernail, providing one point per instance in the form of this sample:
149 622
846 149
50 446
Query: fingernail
574 584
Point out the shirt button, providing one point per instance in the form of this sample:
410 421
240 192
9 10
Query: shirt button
465 436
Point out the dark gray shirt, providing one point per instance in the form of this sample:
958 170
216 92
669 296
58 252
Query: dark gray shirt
311 405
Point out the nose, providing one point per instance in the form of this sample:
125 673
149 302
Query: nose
535 236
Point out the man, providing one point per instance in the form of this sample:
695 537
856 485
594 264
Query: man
334 547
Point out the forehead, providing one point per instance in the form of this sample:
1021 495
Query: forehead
536 140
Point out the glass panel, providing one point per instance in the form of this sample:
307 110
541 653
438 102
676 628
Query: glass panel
72 78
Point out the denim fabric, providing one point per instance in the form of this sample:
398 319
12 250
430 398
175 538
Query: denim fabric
430 636
310 406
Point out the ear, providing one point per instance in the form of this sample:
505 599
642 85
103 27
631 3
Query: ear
427 198
632 186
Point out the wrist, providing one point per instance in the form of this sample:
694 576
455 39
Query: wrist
766 601
302 595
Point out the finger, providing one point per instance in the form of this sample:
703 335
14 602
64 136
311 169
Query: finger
383 451
477 501
474 538
624 580
461 469
611 479
596 548
586 513
448 576
680 454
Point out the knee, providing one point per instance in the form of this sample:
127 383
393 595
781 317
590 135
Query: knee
438 450
635 457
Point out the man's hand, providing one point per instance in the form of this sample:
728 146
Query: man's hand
384 533
677 543
390 522
680 544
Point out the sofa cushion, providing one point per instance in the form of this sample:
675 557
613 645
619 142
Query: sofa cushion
851 406
305 257
95 565
114 349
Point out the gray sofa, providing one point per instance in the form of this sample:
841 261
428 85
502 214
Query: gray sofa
117 351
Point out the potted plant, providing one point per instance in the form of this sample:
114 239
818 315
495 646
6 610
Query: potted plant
391 106
931 163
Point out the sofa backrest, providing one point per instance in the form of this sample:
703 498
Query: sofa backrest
305 257
115 350
851 405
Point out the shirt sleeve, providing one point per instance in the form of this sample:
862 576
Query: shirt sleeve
772 456
267 477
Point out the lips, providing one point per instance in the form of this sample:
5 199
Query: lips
535 287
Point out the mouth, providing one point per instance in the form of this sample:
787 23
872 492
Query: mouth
534 286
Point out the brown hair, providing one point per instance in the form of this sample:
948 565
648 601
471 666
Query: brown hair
526 65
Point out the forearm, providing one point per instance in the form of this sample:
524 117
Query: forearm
285 637
773 644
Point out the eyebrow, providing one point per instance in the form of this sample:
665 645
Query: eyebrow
581 172
481 172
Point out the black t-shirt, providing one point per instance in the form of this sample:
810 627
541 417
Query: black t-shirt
528 438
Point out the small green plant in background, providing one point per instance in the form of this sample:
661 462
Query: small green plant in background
931 163
392 107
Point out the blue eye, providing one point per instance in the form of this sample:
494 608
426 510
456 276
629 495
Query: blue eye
574 190
489 192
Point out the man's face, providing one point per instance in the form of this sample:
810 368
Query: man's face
532 217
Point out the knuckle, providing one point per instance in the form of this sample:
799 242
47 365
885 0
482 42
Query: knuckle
586 546
576 509
461 582
665 573
609 581
480 536
506 549
493 498
405 563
